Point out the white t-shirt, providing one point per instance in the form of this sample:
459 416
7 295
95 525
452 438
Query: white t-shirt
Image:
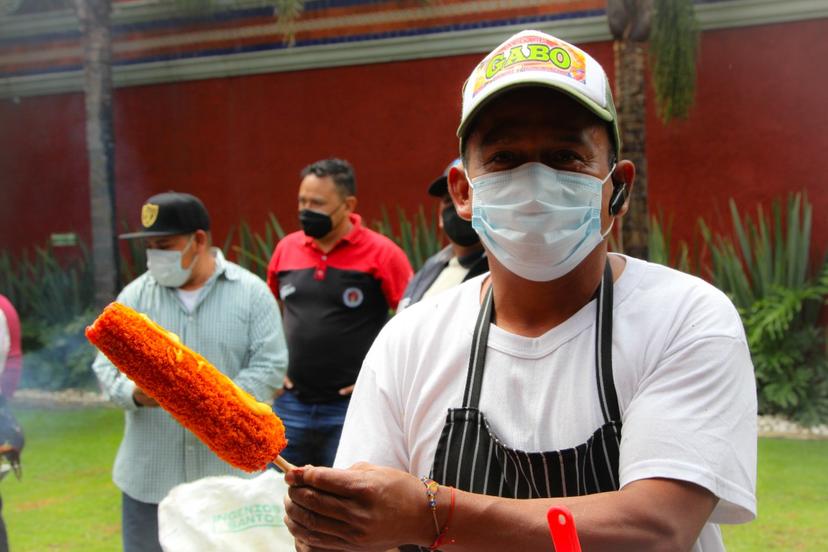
189 297
681 367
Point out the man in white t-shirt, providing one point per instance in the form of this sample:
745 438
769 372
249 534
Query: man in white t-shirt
620 389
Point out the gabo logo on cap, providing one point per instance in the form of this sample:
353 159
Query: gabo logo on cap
531 53
149 213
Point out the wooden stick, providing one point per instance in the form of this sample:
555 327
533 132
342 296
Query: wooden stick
283 464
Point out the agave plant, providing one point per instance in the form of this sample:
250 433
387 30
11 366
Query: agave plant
419 238
768 271
43 288
253 250
53 300
660 245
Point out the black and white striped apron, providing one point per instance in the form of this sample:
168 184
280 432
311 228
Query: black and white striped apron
470 456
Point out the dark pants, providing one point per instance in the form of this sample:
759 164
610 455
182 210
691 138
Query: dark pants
139 525
312 430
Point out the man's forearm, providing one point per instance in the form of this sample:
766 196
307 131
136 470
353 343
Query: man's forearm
651 515
367 507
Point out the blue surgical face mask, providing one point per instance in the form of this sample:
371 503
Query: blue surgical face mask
538 222
165 266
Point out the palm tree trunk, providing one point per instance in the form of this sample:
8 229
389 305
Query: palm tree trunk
630 60
94 17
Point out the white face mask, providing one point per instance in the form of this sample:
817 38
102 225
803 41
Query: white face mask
538 222
165 266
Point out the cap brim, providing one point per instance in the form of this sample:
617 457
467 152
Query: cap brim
439 187
135 235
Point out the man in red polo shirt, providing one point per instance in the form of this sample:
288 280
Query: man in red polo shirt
336 282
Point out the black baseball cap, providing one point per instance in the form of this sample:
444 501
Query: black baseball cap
439 187
169 214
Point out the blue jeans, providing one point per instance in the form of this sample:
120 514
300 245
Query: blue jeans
139 525
312 430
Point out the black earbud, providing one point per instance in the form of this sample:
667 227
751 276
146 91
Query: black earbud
618 197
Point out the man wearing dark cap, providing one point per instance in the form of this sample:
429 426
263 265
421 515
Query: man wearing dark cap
464 257
216 308
568 376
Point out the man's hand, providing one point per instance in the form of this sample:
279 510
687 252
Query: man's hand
345 391
287 385
142 398
366 507
374 508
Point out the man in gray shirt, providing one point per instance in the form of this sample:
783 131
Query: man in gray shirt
216 308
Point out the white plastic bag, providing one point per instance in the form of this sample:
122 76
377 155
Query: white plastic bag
224 514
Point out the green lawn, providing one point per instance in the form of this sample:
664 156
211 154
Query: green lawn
793 500
66 499
67 502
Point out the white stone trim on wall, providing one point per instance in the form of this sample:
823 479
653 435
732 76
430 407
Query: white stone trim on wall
733 14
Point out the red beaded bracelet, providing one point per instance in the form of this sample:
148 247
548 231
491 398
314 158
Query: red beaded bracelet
441 538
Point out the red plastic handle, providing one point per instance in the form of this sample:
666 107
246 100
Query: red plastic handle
562 529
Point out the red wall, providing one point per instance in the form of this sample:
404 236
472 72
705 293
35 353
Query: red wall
758 126
42 168
240 143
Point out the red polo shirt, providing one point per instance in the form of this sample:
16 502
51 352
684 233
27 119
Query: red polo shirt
335 304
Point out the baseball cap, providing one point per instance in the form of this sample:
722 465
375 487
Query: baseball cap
533 58
439 187
171 213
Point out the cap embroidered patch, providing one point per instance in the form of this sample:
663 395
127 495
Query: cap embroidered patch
533 58
531 53
149 213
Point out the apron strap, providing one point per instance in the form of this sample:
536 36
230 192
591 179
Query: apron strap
603 349
477 359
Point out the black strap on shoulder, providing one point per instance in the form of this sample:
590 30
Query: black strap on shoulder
477 360
603 349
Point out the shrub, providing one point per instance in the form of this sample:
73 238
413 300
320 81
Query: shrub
767 271
58 356
660 245
54 302
42 289
253 250
419 238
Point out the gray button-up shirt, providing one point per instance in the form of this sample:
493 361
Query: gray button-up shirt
236 326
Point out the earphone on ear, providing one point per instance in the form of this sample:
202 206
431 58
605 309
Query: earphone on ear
618 197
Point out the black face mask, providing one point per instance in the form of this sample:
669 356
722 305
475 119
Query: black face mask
314 224
458 230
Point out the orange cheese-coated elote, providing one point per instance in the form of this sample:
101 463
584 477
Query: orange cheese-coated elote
242 431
